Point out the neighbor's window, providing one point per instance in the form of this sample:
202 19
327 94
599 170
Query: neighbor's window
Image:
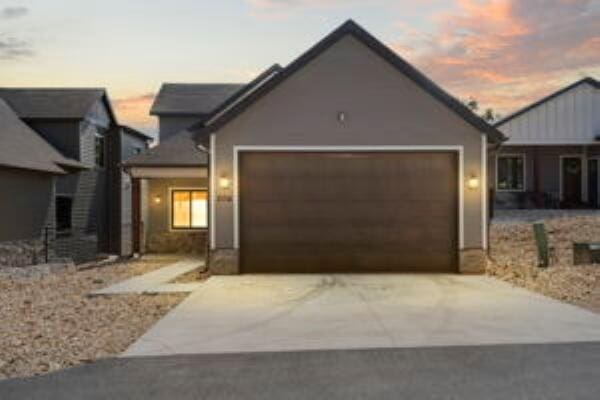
99 151
511 173
189 209
63 206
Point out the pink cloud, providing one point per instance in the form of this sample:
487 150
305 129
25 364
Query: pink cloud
135 110
506 53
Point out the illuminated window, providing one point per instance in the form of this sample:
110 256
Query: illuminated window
189 209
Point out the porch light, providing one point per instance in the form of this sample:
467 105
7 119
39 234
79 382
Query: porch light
157 199
341 117
224 182
473 182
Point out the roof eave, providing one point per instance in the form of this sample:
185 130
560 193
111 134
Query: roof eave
352 28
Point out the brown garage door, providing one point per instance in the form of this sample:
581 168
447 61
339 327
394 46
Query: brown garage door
348 212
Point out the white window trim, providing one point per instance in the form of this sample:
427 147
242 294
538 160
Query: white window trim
513 155
170 209
459 149
584 172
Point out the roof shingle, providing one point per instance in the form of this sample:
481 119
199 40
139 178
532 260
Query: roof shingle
23 148
179 150
46 103
195 99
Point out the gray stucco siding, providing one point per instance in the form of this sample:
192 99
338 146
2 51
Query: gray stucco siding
26 202
63 135
382 107
170 125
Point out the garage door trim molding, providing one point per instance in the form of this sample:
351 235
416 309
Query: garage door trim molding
459 149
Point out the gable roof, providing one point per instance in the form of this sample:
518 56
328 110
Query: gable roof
179 150
192 99
587 80
50 103
134 132
352 28
238 96
23 148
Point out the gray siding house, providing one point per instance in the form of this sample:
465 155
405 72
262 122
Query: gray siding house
346 160
551 158
82 212
180 105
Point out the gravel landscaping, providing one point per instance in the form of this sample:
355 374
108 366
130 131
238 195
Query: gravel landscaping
513 258
49 322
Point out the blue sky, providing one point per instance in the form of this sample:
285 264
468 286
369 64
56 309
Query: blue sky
503 52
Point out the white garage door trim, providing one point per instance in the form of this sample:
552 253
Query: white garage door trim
250 148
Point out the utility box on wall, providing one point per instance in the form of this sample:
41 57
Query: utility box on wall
586 253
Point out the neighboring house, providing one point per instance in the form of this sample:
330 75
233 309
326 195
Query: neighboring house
552 155
82 213
179 105
29 167
346 160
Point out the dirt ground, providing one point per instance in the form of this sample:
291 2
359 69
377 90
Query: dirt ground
513 258
49 322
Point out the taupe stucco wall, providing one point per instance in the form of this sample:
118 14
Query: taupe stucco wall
159 237
382 106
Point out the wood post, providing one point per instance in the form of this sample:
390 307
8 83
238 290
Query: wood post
136 214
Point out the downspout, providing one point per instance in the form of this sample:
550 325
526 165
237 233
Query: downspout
209 204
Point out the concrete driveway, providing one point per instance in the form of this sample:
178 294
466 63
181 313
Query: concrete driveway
252 313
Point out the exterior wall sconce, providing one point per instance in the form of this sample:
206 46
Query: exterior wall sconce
341 117
157 199
224 182
473 182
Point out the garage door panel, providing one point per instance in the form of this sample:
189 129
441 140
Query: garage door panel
327 234
332 262
361 212
308 212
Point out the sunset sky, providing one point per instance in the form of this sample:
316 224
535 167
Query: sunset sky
504 53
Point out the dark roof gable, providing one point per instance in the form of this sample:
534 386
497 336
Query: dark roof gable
352 28
194 99
587 80
54 103
22 148
134 132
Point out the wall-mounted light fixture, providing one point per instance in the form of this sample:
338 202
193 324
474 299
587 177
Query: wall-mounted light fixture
224 182
341 117
473 182
157 199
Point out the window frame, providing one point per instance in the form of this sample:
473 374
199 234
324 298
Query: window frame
66 231
523 157
172 191
99 137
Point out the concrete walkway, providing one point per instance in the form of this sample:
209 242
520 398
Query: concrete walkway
533 372
158 281
256 313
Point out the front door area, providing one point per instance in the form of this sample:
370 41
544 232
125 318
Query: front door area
318 212
571 173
